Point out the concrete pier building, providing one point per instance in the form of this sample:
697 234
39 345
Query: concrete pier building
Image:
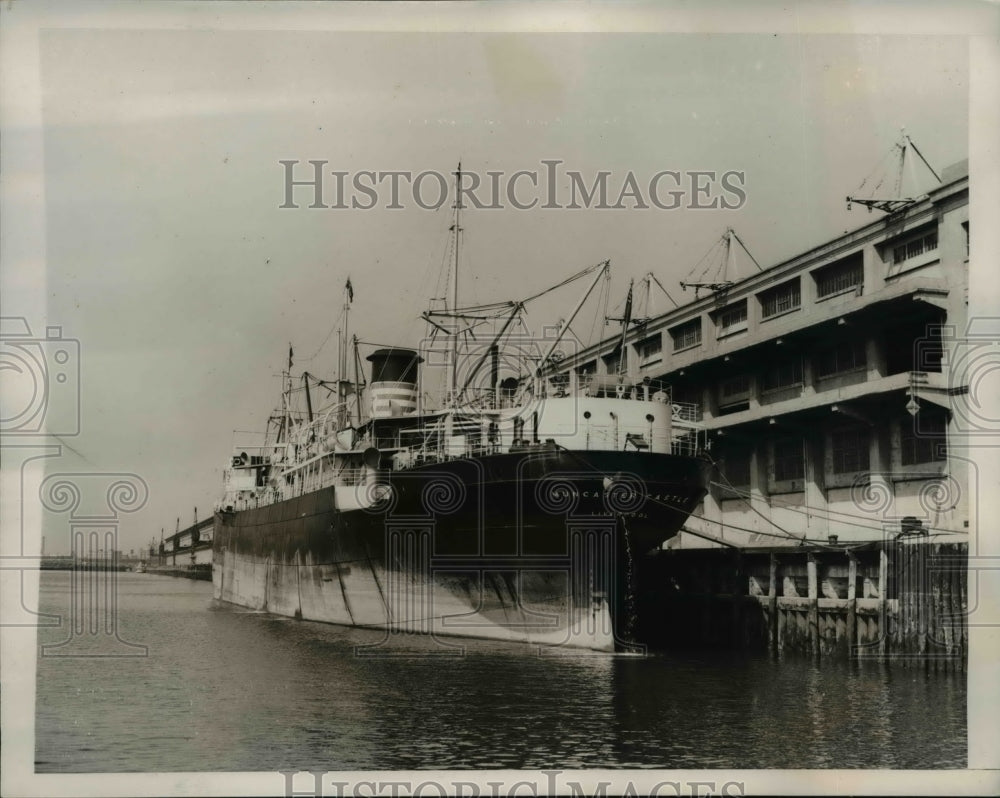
828 383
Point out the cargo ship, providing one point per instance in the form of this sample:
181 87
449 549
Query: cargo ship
514 509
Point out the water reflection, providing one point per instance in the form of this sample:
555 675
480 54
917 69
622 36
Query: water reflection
226 689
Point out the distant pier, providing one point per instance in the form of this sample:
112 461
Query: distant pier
187 553
69 563
203 572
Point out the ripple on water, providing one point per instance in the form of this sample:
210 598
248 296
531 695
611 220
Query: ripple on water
227 689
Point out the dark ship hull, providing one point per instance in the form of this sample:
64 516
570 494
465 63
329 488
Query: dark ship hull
534 546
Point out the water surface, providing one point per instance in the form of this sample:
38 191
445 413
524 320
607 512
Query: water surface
227 689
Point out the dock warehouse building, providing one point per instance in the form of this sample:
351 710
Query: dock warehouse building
825 383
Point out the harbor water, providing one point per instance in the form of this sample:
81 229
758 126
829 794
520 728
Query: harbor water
221 688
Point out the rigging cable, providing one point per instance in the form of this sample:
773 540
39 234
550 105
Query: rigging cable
715 465
664 290
567 281
326 339
806 509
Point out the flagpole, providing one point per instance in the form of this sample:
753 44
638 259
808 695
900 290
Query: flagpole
347 326
453 372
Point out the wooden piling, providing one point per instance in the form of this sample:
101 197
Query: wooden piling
935 637
795 600
963 610
923 599
852 604
772 600
910 644
812 614
903 628
956 619
883 584
945 621
897 576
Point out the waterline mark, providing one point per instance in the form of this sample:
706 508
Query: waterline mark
311 184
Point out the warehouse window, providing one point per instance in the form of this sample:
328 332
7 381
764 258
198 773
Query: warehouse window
734 389
842 358
735 469
922 440
650 349
686 335
849 448
784 374
914 247
733 318
789 459
839 277
780 299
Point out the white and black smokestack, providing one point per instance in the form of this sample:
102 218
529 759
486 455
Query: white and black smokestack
394 381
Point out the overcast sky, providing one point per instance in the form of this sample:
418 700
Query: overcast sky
168 257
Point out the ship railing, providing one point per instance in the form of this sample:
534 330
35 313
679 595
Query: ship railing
588 384
350 476
254 500
270 453
685 411
684 440
645 390
689 444
484 399
328 477
300 485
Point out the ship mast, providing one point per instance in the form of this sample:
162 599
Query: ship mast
342 347
453 372
626 319
284 426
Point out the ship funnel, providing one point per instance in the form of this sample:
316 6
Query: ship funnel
394 382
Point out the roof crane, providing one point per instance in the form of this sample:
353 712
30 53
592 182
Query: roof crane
652 278
723 252
903 165
645 300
